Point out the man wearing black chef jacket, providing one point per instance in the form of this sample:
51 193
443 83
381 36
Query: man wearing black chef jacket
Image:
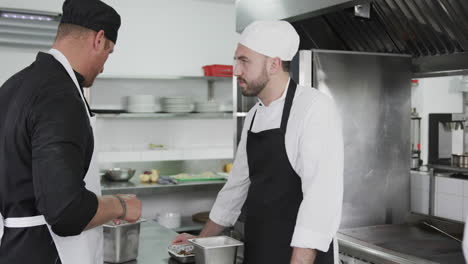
50 203
288 168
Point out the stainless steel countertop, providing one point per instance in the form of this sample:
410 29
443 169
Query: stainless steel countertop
404 243
154 240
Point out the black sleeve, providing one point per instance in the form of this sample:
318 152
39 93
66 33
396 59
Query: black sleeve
77 215
60 134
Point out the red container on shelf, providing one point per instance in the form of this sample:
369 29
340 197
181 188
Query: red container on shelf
218 70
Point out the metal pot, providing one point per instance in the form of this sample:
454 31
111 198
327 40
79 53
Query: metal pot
456 160
464 161
414 162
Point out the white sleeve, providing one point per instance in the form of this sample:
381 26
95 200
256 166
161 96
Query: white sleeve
231 198
320 159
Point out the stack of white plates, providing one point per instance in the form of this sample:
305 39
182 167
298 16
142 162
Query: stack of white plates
176 104
207 107
142 104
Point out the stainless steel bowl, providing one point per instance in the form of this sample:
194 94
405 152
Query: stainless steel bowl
118 174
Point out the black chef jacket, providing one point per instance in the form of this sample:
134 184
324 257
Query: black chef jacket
46 144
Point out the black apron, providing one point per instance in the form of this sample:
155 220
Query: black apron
274 196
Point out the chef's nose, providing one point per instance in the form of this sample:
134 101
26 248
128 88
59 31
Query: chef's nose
237 69
102 70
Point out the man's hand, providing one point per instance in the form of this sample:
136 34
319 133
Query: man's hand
303 256
210 229
133 213
182 239
110 208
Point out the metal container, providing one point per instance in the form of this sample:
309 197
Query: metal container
118 174
215 250
464 161
121 242
456 160
175 252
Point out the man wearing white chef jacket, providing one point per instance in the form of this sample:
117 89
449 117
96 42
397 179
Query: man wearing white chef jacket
51 207
288 168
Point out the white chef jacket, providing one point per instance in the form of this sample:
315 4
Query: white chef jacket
314 146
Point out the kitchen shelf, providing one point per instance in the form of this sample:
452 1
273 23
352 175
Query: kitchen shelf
162 77
135 187
448 168
221 115
167 154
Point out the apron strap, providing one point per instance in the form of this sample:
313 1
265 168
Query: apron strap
288 104
253 119
22 222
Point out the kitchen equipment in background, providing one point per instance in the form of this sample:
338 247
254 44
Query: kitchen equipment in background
425 223
182 253
121 241
415 139
108 109
207 107
456 160
226 106
460 160
142 103
201 217
218 70
446 137
169 219
119 174
177 104
215 250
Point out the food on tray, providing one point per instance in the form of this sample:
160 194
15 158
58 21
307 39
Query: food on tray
150 176
228 167
185 252
181 252
204 176
207 174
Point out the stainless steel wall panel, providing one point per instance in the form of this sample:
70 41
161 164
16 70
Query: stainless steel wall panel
372 93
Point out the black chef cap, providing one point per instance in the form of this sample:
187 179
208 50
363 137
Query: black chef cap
92 14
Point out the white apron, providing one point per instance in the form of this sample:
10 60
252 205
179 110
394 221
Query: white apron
86 248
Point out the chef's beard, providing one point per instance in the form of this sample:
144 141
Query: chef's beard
254 87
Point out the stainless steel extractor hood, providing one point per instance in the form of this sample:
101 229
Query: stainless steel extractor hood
433 32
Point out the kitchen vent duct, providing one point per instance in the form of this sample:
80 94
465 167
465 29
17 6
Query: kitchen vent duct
27 28
416 27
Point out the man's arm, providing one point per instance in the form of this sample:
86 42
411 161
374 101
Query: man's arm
231 198
320 166
59 138
303 256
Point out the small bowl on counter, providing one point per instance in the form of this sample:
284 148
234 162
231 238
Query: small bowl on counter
119 174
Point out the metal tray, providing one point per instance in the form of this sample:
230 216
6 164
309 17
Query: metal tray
174 252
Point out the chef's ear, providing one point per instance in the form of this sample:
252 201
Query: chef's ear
274 65
99 40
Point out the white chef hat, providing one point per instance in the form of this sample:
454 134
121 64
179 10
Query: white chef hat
271 38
